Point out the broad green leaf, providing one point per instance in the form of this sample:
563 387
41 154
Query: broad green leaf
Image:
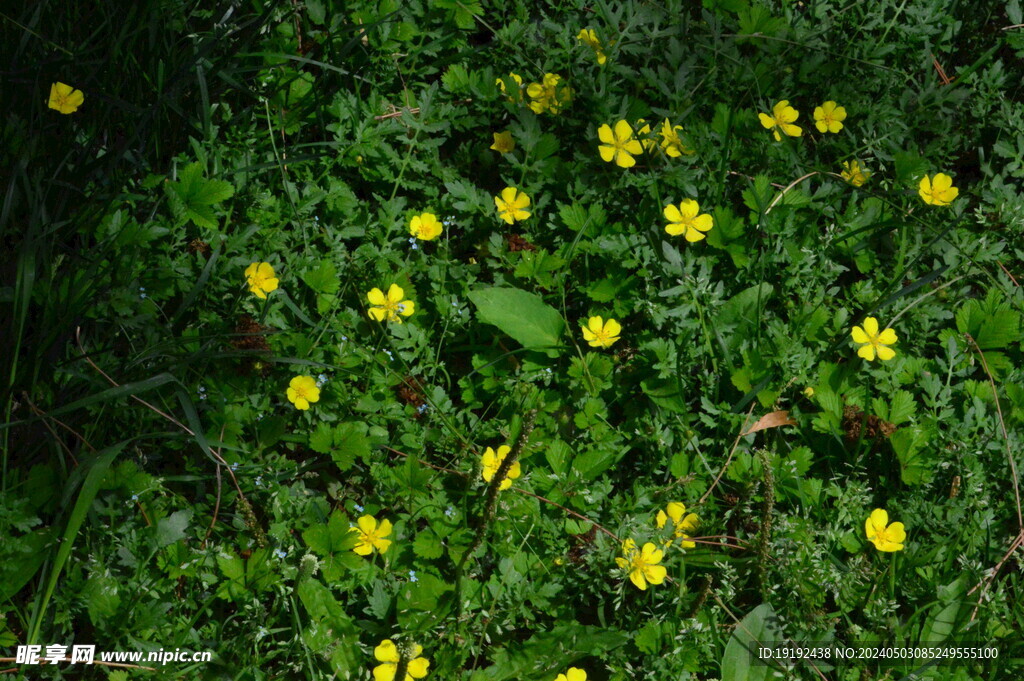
173 527
523 316
753 631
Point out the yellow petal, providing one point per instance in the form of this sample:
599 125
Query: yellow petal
575 674
607 153
395 294
693 235
604 133
888 337
418 667
623 132
885 353
660 519
387 651
367 524
624 160
871 327
655 573
703 222
867 352
376 297
612 327
766 120
675 510
637 577
859 336
385 672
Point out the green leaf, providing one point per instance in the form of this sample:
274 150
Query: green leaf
101 598
427 545
523 316
915 456
744 309
333 542
902 407
548 653
173 527
323 279
97 469
345 442
753 631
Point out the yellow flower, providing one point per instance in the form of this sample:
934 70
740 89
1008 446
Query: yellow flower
938 191
548 95
65 98
518 94
511 204
619 145
391 307
782 119
854 173
809 391
589 38
261 279
503 142
572 674
371 535
387 652
425 226
682 523
671 143
872 342
643 564
828 117
686 219
601 334
492 462
885 537
302 391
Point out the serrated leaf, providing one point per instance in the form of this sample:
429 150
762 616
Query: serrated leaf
173 527
523 316
323 279
427 545
999 330
915 457
901 407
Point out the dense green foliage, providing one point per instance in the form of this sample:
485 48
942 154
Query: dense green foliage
161 489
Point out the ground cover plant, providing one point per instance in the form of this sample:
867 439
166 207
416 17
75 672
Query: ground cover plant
499 341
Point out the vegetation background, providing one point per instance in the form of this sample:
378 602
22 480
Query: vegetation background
160 489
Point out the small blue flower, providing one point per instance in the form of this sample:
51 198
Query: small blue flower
388 353
412 243
412 576
344 338
259 481
234 466
357 507
450 512
202 393
142 292
422 408
280 553
320 380
135 497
